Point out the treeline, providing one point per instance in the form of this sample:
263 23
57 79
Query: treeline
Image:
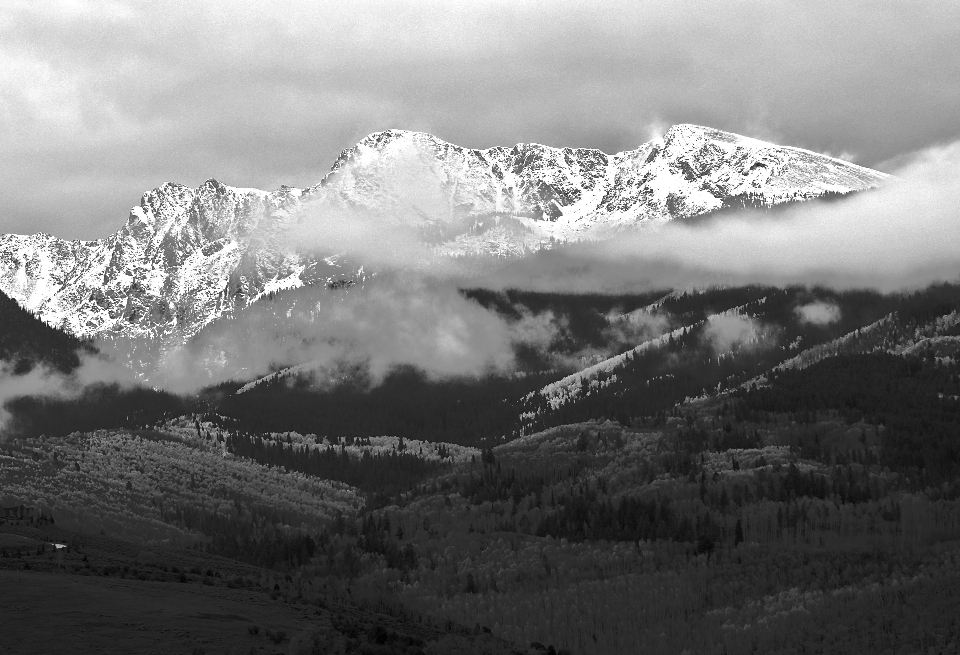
97 406
698 508
917 400
583 309
26 341
273 549
689 365
650 383
259 539
386 473
757 206
583 319
406 404
475 411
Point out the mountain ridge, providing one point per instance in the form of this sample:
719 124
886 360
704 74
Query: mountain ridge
185 257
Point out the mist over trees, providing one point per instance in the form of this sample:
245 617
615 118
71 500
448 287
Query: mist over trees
761 475
27 342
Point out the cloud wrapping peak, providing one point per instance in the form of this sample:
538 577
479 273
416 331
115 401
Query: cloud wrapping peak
904 235
103 100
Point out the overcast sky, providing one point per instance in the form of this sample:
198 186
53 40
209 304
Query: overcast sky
101 101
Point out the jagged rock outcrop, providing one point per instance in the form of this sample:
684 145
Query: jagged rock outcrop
186 257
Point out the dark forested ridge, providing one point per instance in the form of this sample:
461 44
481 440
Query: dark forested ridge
387 473
692 364
915 399
753 206
406 404
26 341
477 411
96 406
585 316
794 487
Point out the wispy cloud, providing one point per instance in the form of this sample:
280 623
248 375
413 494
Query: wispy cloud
724 332
819 313
904 235
101 101
395 320
44 381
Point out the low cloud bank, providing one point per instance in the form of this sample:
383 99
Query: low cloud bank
904 235
44 381
377 242
396 320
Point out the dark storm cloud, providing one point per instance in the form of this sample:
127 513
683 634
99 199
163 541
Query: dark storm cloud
100 101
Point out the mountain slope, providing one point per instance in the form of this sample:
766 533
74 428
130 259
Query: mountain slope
188 256
184 257
25 342
505 199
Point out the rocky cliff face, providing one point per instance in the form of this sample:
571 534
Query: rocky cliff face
508 199
186 257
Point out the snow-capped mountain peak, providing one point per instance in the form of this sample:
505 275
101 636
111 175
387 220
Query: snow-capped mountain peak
186 256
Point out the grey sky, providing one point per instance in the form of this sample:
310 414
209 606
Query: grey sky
101 101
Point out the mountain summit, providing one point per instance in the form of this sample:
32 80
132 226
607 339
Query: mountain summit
188 256
505 199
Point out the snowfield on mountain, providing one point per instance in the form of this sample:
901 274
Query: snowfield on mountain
186 257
